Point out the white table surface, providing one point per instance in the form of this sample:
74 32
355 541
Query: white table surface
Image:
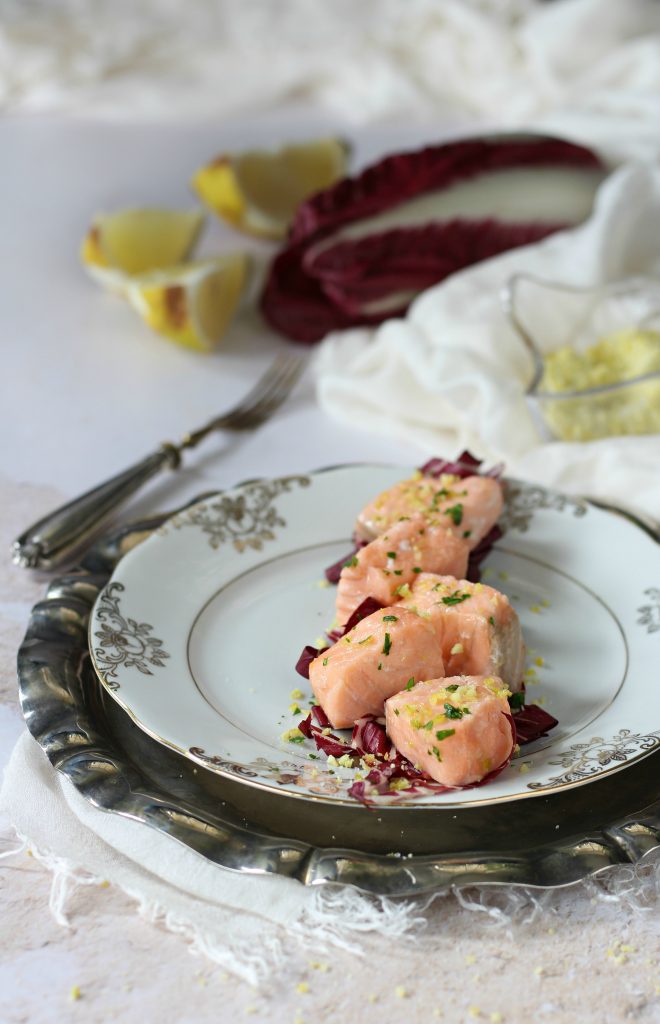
86 389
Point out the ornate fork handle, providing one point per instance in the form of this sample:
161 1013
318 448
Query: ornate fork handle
54 538
50 541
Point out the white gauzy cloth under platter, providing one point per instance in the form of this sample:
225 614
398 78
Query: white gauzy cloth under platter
453 373
249 924
260 927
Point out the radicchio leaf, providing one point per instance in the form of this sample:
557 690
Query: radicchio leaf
466 464
403 176
330 744
369 736
304 661
532 722
478 554
379 274
322 281
368 607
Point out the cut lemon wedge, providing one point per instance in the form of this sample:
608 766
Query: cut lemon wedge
259 191
193 303
129 242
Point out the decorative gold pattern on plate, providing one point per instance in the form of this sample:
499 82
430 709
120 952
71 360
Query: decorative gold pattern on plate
649 614
521 501
246 519
584 760
124 641
285 773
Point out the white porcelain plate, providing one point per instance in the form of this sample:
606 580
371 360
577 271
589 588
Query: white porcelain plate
198 631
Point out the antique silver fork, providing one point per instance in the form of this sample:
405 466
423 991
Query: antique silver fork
51 540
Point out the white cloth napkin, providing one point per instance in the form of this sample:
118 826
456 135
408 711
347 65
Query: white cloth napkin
452 374
590 67
247 923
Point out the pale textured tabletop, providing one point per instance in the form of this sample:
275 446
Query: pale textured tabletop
90 390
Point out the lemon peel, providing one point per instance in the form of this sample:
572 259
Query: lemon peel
258 191
118 246
192 304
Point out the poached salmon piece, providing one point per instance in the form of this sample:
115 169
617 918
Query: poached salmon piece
469 506
377 658
477 628
455 729
388 565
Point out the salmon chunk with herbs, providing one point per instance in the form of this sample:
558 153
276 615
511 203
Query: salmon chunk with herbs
386 567
470 506
380 656
456 729
478 629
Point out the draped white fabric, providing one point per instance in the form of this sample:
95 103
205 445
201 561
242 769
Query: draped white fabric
577 63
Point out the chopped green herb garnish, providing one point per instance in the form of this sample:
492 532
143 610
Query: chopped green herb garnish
491 620
325 661
456 598
467 533
455 513
391 554
452 688
380 665
452 712
366 639
296 739
416 568
397 712
351 563
313 757
442 734
429 724
390 618
398 572
410 683
387 644
437 753
517 700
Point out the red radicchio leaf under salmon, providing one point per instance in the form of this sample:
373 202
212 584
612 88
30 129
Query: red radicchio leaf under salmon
369 740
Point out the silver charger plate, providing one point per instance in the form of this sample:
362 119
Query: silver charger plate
561 836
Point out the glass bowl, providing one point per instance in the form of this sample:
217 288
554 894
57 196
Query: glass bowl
548 316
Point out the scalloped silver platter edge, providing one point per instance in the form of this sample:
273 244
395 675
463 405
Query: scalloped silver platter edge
194 614
120 769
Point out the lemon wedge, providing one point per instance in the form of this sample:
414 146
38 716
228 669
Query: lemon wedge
129 242
258 191
193 303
